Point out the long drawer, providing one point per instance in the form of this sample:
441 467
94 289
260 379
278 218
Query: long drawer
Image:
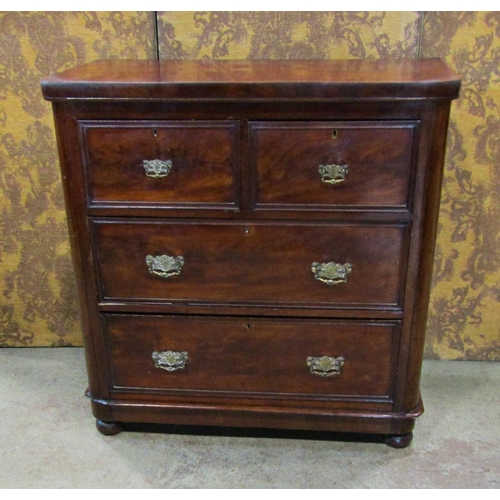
332 265
301 357
165 163
323 165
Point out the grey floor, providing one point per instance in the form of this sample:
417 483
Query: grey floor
48 439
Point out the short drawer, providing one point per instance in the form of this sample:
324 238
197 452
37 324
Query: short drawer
328 165
302 357
165 163
294 264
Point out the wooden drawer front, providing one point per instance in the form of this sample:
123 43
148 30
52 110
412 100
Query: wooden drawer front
203 157
295 164
252 355
251 263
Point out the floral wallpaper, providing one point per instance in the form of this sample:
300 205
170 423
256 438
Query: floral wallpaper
288 35
465 303
37 292
37 289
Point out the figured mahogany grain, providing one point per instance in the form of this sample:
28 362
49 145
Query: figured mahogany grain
203 155
245 210
347 79
288 155
251 355
249 262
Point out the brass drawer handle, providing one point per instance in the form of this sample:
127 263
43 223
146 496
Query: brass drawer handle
170 360
165 265
157 168
325 366
331 273
333 174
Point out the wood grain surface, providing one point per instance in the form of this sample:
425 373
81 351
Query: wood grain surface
248 139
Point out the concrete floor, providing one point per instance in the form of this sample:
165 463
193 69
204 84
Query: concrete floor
48 439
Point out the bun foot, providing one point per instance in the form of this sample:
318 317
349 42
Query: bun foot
108 428
399 441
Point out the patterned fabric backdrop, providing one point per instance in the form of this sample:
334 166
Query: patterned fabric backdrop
288 35
38 299
465 304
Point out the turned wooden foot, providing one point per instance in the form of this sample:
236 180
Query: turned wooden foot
108 428
399 441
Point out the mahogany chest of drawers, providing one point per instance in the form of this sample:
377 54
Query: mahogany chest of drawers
253 241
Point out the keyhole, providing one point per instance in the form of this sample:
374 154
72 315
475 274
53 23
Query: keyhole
246 229
155 132
335 133
248 326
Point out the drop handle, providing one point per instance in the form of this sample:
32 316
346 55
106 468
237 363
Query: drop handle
165 266
333 174
325 366
170 360
157 168
331 273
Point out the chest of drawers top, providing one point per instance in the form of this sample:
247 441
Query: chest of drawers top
209 79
